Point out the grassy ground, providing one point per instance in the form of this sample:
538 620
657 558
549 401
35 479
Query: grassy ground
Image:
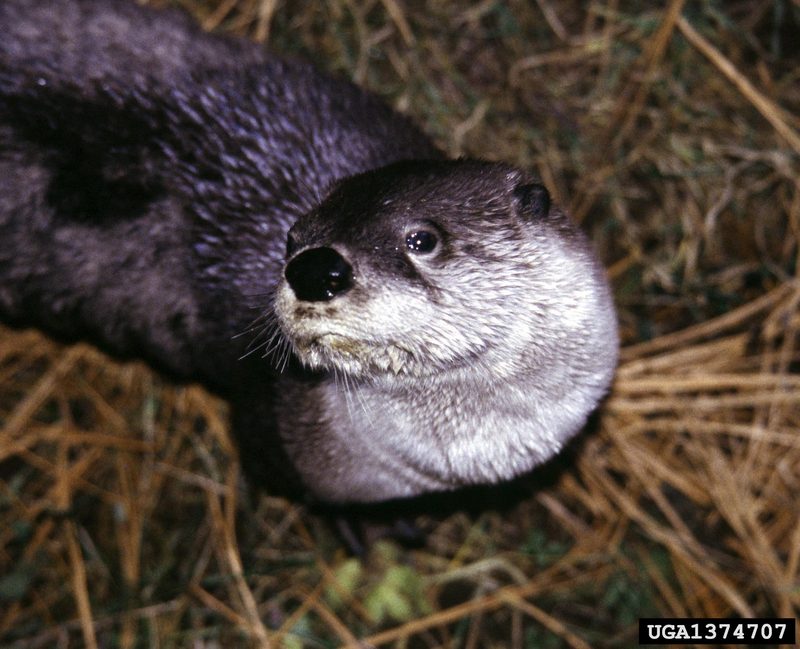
671 131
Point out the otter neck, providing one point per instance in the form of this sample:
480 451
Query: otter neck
397 442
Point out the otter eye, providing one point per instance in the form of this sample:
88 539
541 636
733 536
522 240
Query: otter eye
422 241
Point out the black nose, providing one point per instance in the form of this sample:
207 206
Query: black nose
319 275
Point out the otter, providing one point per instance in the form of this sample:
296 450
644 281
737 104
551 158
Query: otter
385 322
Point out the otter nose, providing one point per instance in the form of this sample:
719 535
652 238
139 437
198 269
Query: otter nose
319 275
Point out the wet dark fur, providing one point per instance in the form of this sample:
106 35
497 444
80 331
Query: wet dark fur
148 175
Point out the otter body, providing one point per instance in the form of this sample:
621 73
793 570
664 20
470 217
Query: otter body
424 324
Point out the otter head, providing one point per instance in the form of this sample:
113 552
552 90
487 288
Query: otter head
416 268
468 313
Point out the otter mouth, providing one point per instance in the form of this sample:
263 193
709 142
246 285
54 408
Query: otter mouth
353 356
324 341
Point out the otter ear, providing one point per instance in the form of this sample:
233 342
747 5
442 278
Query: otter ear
532 201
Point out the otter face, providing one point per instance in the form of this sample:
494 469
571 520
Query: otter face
420 267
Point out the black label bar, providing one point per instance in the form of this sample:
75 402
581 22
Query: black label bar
711 631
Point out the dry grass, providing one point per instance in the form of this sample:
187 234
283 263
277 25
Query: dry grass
671 131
